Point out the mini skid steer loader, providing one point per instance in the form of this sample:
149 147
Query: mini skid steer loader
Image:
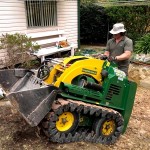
75 99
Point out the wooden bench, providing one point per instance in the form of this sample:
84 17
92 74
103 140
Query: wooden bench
48 42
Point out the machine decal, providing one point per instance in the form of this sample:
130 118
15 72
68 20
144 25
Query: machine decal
121 75
89 71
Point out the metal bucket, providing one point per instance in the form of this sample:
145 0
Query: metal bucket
29 94
9 77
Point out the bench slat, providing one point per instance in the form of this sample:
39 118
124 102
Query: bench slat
50 50
44 34
48 41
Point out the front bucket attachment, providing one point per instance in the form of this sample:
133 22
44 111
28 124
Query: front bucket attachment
30 95
9 77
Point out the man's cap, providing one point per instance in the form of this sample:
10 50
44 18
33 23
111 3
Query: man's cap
117 28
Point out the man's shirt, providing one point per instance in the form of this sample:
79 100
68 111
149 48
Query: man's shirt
114 49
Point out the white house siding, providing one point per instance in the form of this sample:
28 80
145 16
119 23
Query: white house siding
12 16
13 19
68 19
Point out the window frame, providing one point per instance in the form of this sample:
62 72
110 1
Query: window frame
38 21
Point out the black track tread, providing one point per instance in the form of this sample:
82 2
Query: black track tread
54 138
92 111
66 107
52 132
87 109
75 137
54 117
88 138
80 108
94 138
73 106
59 111
62 138
81 134
68 138
98 112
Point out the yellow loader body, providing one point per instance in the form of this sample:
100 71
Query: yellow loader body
70 68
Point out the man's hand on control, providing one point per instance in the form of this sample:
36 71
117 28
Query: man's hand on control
103 57
111 58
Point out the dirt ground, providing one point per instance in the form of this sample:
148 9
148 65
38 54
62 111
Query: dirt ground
16 134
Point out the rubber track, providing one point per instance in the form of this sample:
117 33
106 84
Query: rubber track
80 134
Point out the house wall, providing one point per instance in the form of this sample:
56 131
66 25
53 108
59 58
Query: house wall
12 16
68 19
13 19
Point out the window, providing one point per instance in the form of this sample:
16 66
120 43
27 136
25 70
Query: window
41 13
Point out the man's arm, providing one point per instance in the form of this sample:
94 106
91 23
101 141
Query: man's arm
127 51
124 56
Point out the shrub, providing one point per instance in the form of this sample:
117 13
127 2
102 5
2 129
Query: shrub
143 45
17 47
135 18
93 24
96 21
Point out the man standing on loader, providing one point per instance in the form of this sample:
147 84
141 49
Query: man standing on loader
119 48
